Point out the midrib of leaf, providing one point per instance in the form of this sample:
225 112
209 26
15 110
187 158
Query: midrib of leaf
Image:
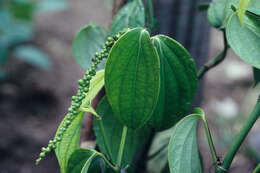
164 60
119 98
136 67
175 167
184 67
176 59
64 161
186 139
88 162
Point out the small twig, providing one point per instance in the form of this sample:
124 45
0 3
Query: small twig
216 60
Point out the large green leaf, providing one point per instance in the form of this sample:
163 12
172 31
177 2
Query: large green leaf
178 82
183 154
69 142
70 139
33 56
113 130
83 161
218 12
245 40
130 16
89 40
132 78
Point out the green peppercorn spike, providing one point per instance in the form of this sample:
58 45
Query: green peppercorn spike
83 88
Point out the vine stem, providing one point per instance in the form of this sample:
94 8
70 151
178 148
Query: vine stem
216 60
257 169
121 147
101 126
210 141
239 139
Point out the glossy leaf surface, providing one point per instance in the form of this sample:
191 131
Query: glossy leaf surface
83 161
245 40
113 129
183 154
87 42
69 142
219 11
70 139
178 82
130 16
132 78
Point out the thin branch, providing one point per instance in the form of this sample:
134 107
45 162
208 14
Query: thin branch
216 60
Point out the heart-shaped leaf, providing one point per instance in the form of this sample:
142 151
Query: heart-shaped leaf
218 12
132 15
132 78
245 40
113 131
87 42
178 79
183 154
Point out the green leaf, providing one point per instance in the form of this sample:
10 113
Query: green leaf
253 11
256 75
113 129
70 139
69 142
178 79
245 40
89 40
33 56
82 160
159 152
183 154
130 16
132 78
96 84
218 12
243 4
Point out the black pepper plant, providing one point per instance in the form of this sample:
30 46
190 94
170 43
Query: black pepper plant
149 82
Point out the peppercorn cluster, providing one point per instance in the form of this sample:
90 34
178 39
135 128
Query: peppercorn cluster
83 88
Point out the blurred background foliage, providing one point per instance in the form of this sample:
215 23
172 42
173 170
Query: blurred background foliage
17 30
